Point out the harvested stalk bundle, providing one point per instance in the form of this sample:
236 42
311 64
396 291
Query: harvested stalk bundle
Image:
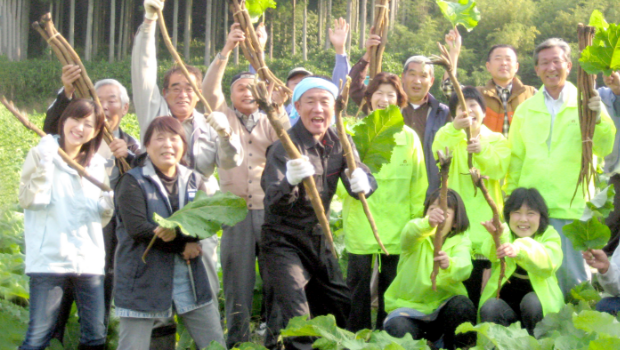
72 163
381 25
476 177
341 106
587 118
252 49
262 96
445 159
83 85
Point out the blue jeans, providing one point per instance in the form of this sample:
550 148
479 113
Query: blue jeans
610 305
46 291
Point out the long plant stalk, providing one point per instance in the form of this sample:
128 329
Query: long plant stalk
252 49
261 95
83 85
72 163
341 106
587 118
381 25
477 179
445 159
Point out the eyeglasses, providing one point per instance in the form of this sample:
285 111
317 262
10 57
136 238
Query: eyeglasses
555 63
178 90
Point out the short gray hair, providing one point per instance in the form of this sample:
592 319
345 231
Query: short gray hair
551 43
123 91
420 59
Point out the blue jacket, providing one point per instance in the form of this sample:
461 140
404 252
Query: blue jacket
147 287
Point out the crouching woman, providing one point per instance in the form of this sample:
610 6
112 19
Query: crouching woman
63 219
173 277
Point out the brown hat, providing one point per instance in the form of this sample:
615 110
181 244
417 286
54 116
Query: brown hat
298 70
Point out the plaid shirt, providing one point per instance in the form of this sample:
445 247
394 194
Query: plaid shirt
504 95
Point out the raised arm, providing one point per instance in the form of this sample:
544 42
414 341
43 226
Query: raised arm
338 38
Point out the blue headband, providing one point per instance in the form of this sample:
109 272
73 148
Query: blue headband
307 84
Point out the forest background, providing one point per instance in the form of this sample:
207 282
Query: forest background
102 32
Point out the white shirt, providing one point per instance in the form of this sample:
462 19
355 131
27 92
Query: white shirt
553 106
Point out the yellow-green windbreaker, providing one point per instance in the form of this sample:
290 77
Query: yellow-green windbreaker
492 161
402 185
553 170
540 256
412 287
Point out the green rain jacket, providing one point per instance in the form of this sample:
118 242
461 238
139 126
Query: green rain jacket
492 161
540 256
412 287
402 185
553 170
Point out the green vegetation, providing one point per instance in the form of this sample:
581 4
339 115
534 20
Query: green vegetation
463 12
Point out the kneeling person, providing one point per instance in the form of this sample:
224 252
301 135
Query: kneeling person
295 256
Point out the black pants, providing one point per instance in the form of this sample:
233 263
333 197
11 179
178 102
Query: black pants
499 311
474 283
304 278
613 220
458 310
359 273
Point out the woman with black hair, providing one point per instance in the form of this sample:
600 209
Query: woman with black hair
533 253
413 306
173 279
63 219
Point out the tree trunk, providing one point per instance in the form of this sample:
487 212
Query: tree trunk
88 45
98 11
320 10
128 20
328 23
349 18
271 34
208 42
187 29
175 24
293 32
56 14
72 25
112 29
305 32
225 22
121 31
394 7
363 24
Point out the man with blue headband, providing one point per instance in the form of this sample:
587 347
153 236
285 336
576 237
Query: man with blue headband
303 275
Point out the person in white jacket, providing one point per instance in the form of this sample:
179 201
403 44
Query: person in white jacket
608 276
63 219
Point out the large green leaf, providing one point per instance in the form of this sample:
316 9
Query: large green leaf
204 216
374 136
604 53
597 20
256 8
496 336
464 12
584 292
604 344
591 234
599 322
333 338
600 205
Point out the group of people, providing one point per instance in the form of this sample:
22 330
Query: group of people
85 244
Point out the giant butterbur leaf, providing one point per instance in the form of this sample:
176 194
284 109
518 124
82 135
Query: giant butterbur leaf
591 234
599 322
463 12
374 136
496 336
204 216
256 8
604 54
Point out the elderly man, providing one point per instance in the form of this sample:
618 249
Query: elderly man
210 139
115 104
424 114
545 139
611 98
239 247
304 276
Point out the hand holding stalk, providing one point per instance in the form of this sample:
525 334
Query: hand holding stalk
445 159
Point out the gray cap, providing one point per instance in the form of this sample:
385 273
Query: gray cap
298 70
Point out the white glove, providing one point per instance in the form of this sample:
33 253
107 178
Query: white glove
151 7
47 148
106 201
595 104
359 181
298 169
219 122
